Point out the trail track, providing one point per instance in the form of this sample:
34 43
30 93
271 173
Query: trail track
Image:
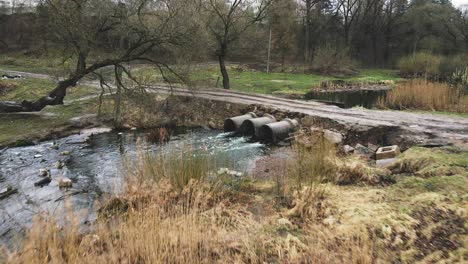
432 126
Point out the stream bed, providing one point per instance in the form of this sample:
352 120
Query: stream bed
95 166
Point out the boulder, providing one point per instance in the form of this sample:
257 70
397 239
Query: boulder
333 137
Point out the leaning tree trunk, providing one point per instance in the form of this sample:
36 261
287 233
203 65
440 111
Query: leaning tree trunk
55 97
222 65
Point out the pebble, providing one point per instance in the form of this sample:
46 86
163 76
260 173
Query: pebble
44 172
37 156
65 153
59 165
65 183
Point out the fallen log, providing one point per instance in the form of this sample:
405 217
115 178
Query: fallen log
4 193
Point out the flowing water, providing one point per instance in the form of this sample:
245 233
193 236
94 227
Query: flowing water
94 164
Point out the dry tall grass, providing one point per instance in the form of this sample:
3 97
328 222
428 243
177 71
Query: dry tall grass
171 213
425 95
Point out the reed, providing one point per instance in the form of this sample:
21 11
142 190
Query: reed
421 94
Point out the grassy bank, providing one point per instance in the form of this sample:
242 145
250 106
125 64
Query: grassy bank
414 211
26 128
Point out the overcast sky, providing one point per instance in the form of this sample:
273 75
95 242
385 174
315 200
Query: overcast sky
457 3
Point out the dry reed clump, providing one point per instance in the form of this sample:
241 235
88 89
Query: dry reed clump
425 95
159 135
6 87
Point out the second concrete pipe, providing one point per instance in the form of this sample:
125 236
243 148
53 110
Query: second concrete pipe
234 124
251 127
275 132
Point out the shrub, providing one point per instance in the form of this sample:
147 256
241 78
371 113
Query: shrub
333 60
421 64
6 87
424 95
460 77
430 66
451 64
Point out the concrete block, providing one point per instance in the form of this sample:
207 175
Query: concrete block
387 152
383 163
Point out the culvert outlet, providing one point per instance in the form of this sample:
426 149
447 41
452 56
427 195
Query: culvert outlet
275 132
251 127
234 124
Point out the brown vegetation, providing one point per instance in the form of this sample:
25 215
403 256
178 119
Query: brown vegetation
425 95
6 87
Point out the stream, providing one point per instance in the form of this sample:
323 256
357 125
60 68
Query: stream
94 163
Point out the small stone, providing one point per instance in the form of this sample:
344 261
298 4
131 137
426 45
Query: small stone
284 222
212 125
133 129
44 172
363 150
222 171
372 147
54 147
65 153
348 149
38 156
58 165
386 231
329 221
65 183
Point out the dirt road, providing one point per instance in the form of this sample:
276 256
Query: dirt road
356 119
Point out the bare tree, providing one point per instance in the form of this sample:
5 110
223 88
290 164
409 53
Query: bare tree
228 20
150 26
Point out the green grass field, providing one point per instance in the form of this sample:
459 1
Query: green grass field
261 82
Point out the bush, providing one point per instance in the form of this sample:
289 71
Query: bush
333 60
420 65
452 64
460 77
432 66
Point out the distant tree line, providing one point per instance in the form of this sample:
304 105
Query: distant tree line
373 32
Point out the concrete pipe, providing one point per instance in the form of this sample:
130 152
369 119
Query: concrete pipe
275 132
252 127
234 124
